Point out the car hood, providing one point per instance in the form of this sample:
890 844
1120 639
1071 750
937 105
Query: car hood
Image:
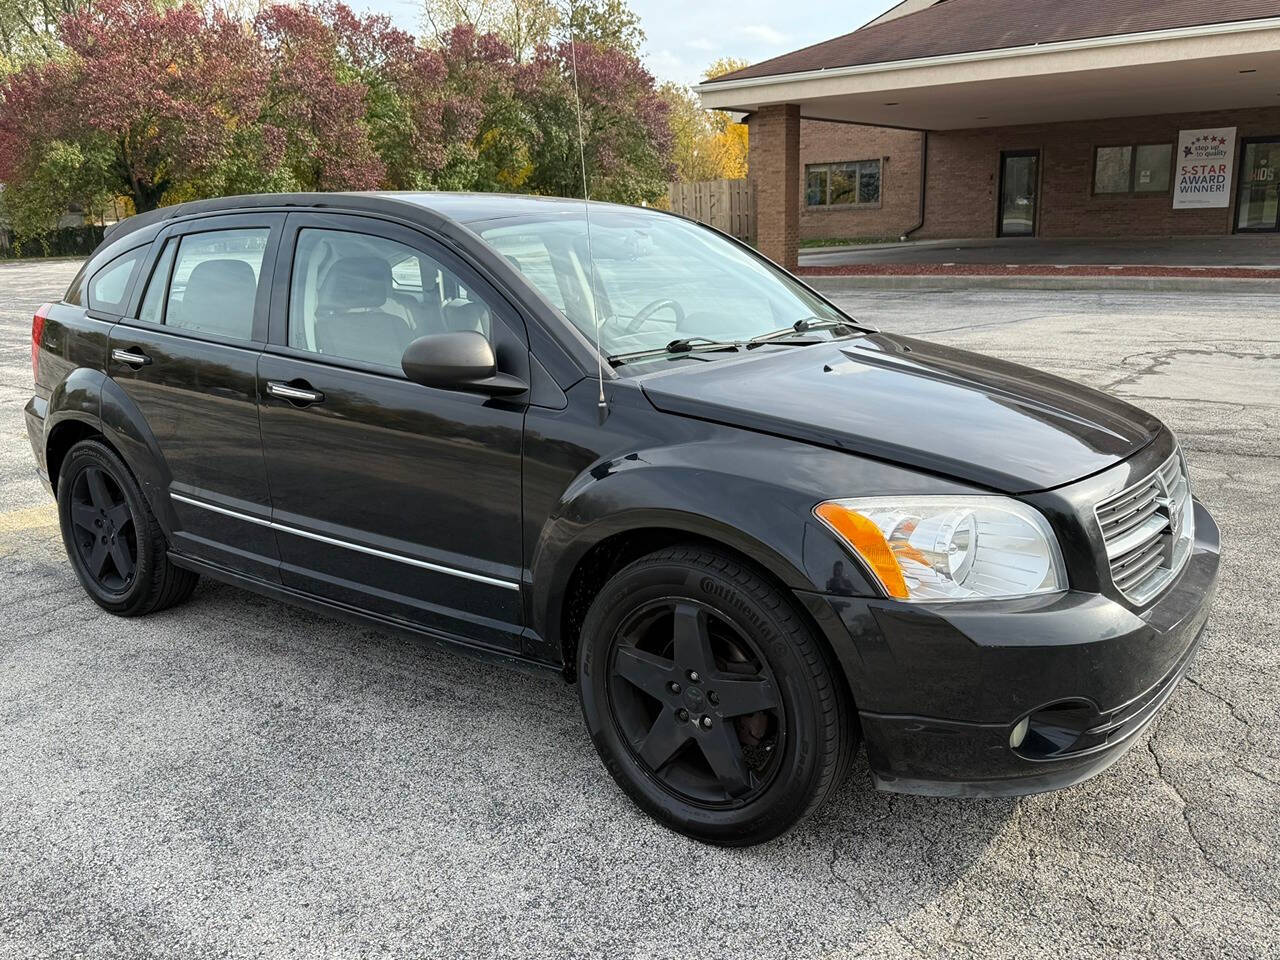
951 412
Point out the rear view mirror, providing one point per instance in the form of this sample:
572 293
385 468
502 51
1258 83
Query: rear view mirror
463 360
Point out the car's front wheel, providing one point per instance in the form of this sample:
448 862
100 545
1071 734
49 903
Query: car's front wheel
710 700
112 538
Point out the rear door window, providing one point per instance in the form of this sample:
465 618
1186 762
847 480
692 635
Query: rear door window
214 283
153 301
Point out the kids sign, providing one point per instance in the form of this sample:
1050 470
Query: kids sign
1202 168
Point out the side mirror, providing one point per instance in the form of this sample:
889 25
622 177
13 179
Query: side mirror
462 360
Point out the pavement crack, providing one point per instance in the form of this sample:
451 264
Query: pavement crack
1158 360
1184 808
1257 773
884 918
1231 707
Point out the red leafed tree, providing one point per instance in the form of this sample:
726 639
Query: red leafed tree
313 117
162 103
163 91
626 133
168 104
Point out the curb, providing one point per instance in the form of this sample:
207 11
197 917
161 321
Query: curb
1222 285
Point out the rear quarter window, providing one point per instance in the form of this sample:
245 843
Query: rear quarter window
109 287
75 292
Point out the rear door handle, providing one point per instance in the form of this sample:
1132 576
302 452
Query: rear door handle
134 358
294 394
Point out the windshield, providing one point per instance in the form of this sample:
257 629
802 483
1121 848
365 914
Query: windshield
658 278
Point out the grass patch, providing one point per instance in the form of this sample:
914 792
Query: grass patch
845 241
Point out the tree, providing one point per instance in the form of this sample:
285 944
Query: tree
151 97
730 141
604 23
29 29
481 131
312 119
626 131
523 25
707 144
159 103
691 135
521 75
526 25
173 103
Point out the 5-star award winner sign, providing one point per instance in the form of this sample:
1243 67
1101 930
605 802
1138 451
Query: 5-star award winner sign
1203 166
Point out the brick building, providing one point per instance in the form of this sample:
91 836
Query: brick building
979 118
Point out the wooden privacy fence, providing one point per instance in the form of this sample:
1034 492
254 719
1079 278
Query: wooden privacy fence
728 205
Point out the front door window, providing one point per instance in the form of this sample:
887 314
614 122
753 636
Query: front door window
1259 196
1019 184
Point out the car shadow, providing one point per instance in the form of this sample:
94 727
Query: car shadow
856 829
293 721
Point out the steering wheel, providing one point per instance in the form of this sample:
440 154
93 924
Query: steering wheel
644 314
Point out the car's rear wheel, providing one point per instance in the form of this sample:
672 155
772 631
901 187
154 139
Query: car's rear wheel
710 700
115 545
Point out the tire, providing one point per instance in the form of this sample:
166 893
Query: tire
674 649
115 545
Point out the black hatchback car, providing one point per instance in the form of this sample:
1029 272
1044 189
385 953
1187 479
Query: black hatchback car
752 529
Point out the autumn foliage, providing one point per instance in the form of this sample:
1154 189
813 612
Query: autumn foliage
165 104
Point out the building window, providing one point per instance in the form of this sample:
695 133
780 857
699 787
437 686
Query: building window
842 184
1129 170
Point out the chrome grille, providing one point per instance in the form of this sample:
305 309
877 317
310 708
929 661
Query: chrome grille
1148 529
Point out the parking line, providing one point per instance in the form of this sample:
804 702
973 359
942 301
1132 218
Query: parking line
29 518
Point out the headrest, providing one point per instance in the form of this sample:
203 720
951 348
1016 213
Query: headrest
220 279
356 282
465 315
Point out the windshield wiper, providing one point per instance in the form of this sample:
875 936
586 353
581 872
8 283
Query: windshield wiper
685 345
804 325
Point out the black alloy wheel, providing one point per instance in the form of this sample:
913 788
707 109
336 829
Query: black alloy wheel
696 702
709 697
116 546
105 535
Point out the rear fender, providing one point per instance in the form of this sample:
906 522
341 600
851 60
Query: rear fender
75 399
126 429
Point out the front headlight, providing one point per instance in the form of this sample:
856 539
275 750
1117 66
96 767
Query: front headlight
950 548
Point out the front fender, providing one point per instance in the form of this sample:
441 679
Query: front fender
675 489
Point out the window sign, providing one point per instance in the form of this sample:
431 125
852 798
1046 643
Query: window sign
1205 161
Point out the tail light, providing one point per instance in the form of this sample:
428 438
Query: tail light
37 333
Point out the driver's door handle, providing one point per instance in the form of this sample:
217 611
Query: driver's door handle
134 358
294 394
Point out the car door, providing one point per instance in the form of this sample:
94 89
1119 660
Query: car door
387 495
188 360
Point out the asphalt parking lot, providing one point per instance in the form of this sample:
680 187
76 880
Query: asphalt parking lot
238 778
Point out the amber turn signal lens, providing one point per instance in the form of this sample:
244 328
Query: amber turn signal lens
865 537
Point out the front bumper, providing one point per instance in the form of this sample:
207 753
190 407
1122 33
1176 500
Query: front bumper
940 688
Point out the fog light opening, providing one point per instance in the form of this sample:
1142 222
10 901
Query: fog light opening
1057 730
1019 732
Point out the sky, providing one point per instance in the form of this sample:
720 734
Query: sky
684 36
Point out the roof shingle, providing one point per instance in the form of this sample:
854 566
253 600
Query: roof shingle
964 26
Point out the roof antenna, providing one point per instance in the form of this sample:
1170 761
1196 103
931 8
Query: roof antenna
602 404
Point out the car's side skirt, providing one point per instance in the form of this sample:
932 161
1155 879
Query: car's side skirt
276 591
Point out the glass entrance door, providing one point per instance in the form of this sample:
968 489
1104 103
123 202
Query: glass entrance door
1258 206
1019 186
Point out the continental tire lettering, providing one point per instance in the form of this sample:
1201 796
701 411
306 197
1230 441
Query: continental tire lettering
732 598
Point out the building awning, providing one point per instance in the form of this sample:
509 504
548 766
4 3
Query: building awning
1186 68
